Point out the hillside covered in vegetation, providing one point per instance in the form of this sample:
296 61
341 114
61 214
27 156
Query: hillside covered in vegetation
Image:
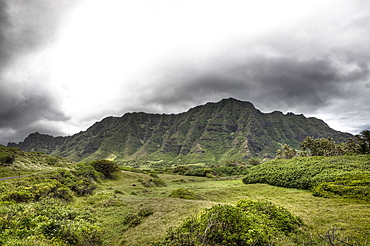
211 133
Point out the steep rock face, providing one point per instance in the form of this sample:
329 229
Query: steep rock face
212 132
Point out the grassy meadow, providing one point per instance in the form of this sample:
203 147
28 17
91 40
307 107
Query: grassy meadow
126 195
65 203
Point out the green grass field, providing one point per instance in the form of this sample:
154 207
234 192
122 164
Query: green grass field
126 196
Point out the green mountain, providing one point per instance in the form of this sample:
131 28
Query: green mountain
214 132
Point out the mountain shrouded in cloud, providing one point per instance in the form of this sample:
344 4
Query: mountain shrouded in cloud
67 64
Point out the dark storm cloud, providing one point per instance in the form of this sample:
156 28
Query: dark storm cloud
190 87
26 28
283 83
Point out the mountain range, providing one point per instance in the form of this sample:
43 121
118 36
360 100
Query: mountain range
214 132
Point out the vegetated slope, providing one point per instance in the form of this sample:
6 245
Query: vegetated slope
213 132
346 176
14 160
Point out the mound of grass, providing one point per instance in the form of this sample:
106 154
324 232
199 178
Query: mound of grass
185 194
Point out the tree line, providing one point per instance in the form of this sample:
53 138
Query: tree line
359 144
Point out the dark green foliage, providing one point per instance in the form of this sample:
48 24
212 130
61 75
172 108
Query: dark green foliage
184 194
158 182
335 174
200 172
181 169
247 223
327 147
49 222
363 140
152 182
106 167
6 158
213 171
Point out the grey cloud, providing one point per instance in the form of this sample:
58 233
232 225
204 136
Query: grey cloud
281 82
26 27
31 24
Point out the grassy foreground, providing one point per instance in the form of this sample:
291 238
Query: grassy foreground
133 211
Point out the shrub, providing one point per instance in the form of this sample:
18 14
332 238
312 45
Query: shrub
159 182
306 172
247 223
346 185
184 194
48 221
6 158
106 167
200 172
135 219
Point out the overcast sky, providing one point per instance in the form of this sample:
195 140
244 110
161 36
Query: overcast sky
65 64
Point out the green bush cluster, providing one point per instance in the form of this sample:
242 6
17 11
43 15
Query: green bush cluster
247 223
35 210
106 167
47 222
347 185
321 174
135 219
6 158
61 184
184 194
152 182
216 170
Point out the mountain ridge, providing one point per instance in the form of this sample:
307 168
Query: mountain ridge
213 132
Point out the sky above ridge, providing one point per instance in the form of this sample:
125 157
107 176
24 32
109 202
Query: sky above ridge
66 64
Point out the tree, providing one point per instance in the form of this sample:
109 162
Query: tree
286 152
321 147
106 167
327 147
363 140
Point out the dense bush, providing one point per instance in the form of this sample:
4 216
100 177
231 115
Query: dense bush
106 167
35 210
308 172
220 171
347 185
61 184
200 172
47 222
247 223
6 158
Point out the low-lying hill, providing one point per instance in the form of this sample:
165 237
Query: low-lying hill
14 161
214 132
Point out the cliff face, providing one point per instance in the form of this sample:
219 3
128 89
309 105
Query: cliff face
209 133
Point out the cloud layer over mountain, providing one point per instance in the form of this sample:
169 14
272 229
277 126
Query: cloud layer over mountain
66 64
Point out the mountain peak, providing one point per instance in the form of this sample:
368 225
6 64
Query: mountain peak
214 132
